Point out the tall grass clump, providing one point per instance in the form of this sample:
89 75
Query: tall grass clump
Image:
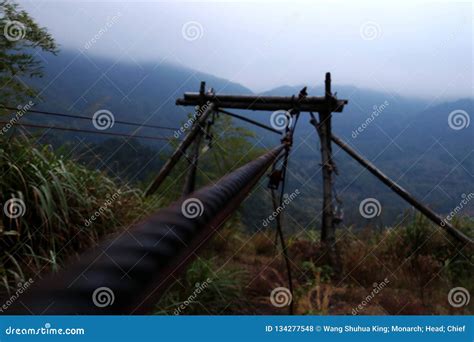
53 207
204 289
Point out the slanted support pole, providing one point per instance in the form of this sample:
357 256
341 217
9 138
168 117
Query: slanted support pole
190 182
201 116
430 214
324 131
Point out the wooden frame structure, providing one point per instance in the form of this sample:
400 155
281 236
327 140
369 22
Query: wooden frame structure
294 105
324 105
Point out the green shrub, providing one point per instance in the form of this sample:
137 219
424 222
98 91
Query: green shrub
66 208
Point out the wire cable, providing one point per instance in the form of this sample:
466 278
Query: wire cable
256 123
279 217
87 131
88 118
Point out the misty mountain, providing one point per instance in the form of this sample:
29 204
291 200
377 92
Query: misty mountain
407 138
79 84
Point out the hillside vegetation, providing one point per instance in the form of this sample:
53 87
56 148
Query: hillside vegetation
407 270
57 208
68 208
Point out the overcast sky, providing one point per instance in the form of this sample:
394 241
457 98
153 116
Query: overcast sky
411 48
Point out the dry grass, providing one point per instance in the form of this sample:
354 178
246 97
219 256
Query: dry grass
417 265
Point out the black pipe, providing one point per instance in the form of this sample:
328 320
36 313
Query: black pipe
136 266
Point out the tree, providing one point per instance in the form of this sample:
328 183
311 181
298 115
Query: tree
20 38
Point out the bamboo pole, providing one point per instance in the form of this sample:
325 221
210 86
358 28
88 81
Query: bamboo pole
333 104
181 149
430 214
190 183
324 131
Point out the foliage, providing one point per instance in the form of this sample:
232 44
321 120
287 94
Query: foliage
222 287
20 36
418 263
133 162
61 200
228 150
